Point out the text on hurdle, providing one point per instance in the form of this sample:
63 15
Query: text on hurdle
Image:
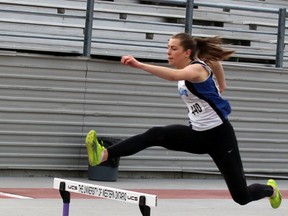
145 201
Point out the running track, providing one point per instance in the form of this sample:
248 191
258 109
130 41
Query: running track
47 193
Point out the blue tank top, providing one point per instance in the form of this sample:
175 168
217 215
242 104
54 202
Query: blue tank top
206 107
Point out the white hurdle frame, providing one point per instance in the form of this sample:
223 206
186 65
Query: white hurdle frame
143 200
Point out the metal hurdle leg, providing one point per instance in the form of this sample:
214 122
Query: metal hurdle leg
65 197
145 210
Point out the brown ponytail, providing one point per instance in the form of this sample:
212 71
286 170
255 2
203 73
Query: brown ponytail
207 49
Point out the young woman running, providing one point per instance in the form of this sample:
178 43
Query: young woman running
194 60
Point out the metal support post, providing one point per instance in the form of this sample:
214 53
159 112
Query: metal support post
189 16
88 28
281 37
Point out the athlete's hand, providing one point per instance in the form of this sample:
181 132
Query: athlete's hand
130 61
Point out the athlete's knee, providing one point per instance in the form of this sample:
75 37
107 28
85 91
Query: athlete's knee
154 132
240 200
154 136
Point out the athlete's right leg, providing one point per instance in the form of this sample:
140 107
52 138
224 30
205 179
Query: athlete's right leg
174 137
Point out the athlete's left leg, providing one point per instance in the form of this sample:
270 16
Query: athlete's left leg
228 160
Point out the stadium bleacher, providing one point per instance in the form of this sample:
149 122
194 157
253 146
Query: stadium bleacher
140 29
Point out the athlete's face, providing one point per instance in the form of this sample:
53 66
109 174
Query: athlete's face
177 56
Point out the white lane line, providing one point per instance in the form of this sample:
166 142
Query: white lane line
14 196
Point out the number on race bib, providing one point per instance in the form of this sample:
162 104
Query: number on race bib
196 109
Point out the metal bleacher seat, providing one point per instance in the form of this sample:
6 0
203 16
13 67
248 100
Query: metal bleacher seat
41 26
120 28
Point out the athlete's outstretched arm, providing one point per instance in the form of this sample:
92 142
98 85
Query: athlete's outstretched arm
163 72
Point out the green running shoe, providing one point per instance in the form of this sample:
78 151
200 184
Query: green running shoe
94 148
276 200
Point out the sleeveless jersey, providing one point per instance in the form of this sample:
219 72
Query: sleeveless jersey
206 107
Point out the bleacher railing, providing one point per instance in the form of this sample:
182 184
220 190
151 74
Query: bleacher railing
190 4
281 21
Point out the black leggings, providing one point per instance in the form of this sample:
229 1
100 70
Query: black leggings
220 143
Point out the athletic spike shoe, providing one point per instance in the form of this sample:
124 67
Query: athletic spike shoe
94 148
275 201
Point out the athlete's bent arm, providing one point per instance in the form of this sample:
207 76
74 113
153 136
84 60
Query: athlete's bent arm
218 70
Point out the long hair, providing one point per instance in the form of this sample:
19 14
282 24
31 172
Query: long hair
207 49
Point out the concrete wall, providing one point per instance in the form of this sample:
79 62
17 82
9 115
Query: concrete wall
48 104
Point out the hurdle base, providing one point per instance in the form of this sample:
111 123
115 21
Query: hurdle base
102 173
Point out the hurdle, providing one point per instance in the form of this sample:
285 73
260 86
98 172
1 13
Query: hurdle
143 200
